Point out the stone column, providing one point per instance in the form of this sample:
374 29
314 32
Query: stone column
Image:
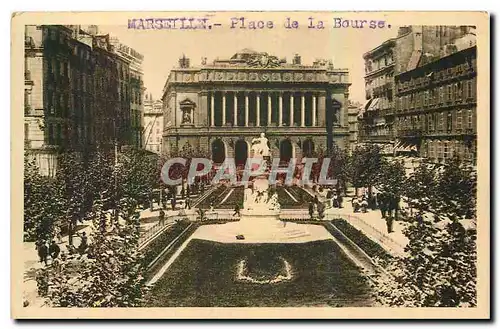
235 109
257 100
202 112
212 109
314 110
269 117
280 113
321 109
302 110
223 108
246 109
291 109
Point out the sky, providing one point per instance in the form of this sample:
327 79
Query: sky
163 48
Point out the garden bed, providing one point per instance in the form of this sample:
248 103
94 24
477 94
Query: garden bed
370 247
154 248
205 275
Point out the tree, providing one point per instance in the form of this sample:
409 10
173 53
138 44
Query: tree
363 166
456 190
439 269
138 175
391 181
449 190
421 186
71 179
109 273
42 203
391 177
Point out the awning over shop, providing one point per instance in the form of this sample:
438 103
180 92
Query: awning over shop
405 147
363 109
373 105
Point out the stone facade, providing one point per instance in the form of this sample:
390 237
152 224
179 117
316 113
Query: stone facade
220 107
414 46
77 93
353 111
436 108
153 124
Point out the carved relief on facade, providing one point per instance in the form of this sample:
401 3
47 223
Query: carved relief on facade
298 76
287 76
219 76
263 60
264 76
333 78
242 76
275 76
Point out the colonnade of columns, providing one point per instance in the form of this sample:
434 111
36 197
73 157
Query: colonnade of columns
257 98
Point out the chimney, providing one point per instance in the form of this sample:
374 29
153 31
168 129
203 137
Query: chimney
404 30
93 29
183 62
296 60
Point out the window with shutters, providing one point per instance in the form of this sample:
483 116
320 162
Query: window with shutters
432 149
469 119
450 95
446 150
459 121
449 122
439 150
441 122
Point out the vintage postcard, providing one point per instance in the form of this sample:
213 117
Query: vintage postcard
313 165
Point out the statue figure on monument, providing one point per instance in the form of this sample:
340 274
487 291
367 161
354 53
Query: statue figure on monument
259 146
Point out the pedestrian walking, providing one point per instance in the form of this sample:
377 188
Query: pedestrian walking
83 242
237 210
173 202
54 250
161 220
382 204
43 251
389 221
335 200
58 234
311 209
321 210
340 200
187 203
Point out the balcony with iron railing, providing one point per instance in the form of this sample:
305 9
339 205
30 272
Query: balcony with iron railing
376 138
409 133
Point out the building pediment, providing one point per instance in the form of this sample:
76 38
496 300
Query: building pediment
186 102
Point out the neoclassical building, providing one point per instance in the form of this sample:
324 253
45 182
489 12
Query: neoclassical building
219 107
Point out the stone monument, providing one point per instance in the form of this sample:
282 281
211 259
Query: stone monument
259 202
